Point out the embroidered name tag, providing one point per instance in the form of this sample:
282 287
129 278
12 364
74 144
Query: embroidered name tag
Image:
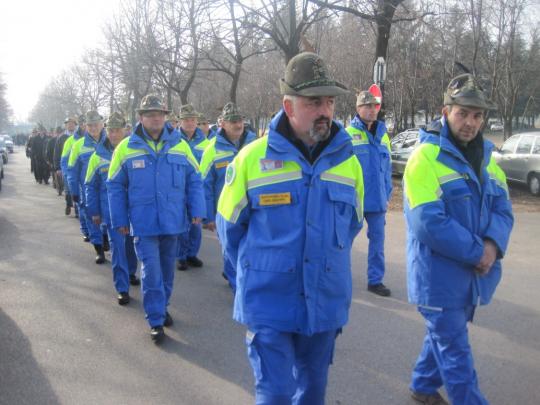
269 165
104 169
221 165
275 199
138 164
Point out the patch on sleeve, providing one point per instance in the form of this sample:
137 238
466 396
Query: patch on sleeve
230 174
138 164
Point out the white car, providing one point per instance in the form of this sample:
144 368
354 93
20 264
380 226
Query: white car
496 126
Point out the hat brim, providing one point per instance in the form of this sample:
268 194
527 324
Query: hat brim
337 89
233 117
474 102
93 121
142 111
183 117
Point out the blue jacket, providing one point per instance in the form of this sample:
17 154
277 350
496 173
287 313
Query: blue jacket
197 143
449 213
216 157
154 186
373 152
97 202
288 227
78 162
66 150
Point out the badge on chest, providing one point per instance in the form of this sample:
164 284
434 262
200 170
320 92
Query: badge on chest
267 165
138 164
274 199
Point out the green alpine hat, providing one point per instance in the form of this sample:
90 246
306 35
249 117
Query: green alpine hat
465 90
116 120
93 117
202 119
71 119
172 117
306 75
82 119
187 111
151 102
231 113
365 98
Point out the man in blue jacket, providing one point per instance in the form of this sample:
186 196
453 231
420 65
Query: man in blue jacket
459 219
123 258
79 156
222 149
189 243
155 191
372 148
287 216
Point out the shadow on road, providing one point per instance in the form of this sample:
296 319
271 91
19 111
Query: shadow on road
21 378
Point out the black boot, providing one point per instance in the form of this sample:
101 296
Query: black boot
100 258
106 246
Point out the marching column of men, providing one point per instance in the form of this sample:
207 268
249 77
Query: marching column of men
286 208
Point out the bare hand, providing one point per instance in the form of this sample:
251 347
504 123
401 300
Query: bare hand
488 258
196 221
96 219
211 226
124 230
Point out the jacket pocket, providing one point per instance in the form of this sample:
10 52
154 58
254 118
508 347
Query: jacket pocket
344 202
178 165
271 284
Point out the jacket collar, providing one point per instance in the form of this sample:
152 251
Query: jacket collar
89 141
357 123
280 147
139 137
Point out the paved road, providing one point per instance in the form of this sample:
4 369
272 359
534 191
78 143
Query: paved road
64 340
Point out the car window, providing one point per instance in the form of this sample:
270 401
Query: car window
536 148
525 144
510 144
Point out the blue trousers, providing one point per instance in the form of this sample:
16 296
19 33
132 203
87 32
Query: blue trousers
82 218
290 368
230 272
189 242
157 255
375 234
124 260
446 357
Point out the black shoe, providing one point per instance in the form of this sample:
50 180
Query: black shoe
68 210
182 265
157 334
379 289
123 298
86 238
133 280
106 246
100 258
194 261
168 319
428 399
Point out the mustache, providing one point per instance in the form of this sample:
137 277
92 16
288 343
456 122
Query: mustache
322 119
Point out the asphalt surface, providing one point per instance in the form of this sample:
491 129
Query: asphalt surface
64 340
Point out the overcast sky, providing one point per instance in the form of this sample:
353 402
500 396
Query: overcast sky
38 38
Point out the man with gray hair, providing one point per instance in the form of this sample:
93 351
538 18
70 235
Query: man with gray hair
288 213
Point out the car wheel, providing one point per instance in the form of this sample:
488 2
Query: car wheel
534 184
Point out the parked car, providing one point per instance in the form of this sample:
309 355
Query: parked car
9 143
496 126
519 157
3 150
402 146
